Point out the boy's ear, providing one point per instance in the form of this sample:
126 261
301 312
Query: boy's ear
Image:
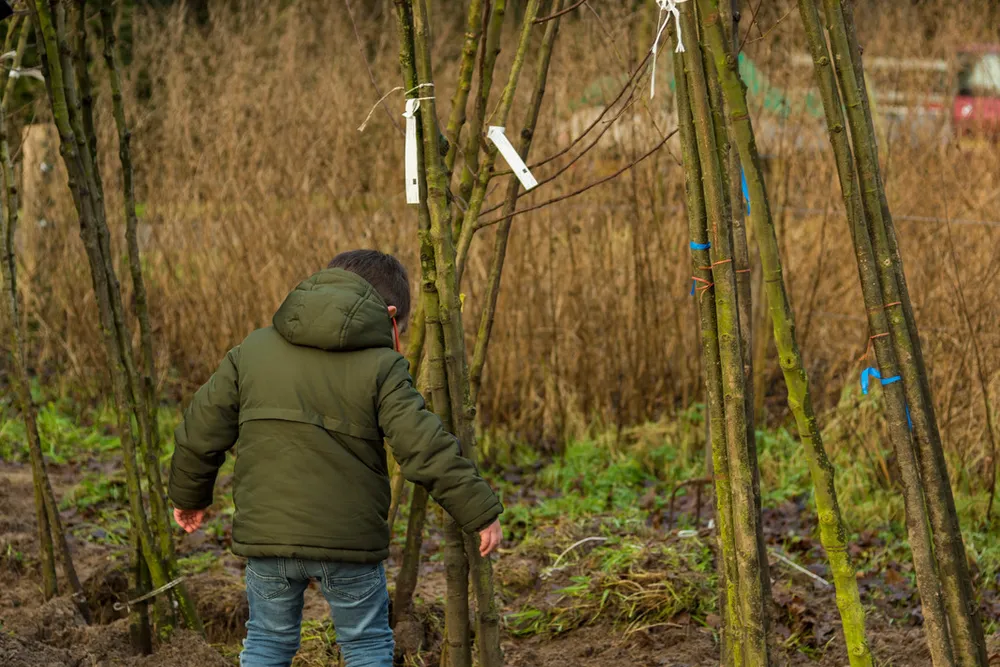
392 311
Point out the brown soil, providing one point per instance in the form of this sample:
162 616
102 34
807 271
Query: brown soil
43 634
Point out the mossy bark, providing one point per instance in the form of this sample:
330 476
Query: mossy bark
67 112
456 564
832 530
751 561
935 620
428 335
949 550
21 381
53 544
449 311
147 383
139 628
701 268
729 157
474 140
460 98
11 310
960 600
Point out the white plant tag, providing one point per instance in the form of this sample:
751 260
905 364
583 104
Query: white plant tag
410 155
495 133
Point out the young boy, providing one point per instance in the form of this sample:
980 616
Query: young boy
310 400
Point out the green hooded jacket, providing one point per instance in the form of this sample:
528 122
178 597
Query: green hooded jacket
310 400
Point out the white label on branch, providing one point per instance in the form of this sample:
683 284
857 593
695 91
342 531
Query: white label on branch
412 177
496 134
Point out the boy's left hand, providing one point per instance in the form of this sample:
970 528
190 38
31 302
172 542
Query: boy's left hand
490 538
189 520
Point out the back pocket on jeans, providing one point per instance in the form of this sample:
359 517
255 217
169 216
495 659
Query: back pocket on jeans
352 583
267 586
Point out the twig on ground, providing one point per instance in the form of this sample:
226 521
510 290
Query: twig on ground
555 566
795 566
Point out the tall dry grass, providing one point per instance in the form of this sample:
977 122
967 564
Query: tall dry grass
253 174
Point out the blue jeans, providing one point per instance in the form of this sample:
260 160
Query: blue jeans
359 605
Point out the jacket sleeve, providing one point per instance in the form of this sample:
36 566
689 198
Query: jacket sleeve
430 456
209 429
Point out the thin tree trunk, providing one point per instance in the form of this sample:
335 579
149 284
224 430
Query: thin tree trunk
485 170
730 158
81 66
21 30
46 553
956 586
81 120
14 28
415 63
428 334
157 495
918 528
397 488
510 204
832 531
447 281
52 537
487 63
406 580
139 628
754 590
22 383
733 210
414 354
456 565
66 111
700 265
126 11
460 98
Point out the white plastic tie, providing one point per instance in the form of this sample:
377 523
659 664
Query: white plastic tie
668 10
495 133
411 168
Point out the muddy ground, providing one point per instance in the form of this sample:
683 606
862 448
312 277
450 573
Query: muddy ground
48 634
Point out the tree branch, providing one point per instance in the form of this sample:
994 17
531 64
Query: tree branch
580 191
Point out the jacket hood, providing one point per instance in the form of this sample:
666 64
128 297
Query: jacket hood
335 310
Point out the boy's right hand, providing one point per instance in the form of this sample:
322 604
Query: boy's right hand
189 520
490 538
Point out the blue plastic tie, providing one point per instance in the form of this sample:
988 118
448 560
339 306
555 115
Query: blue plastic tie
865 375
693 284
869 373
746 190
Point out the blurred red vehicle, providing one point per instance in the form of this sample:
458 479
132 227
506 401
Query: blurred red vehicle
976 108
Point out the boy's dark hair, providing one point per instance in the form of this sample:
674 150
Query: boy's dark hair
384 272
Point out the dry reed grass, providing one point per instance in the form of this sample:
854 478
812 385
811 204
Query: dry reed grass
253 173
